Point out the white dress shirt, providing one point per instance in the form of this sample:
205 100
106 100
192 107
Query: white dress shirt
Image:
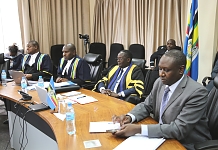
66 68
32 59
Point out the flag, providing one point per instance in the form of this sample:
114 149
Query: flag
51 98
191 42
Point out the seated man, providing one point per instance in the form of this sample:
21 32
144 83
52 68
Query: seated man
14 56
36 64
155 57
178 103
123 80
72 67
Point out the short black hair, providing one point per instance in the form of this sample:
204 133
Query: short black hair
13 49
127 54
178 56
71 47
34 43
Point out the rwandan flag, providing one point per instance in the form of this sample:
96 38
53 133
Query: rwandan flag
51 98
191 42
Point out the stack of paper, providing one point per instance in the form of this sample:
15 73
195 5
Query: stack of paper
140 142
83 99
103 126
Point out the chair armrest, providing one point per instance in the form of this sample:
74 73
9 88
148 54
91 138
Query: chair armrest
207 145
205 79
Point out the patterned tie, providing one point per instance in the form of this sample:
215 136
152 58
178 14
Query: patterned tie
164 102
115 82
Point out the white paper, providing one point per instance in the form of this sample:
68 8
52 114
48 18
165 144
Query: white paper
83 99
72 93
60 116
102 126
92 143
140 142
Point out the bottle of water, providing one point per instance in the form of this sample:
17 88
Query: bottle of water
4 77
40 82
24 85
70 119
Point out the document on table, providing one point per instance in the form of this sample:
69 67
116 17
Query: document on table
102 126
83 99
140 142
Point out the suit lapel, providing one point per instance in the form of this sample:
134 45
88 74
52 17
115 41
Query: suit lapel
178 91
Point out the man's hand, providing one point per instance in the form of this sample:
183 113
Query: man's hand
28 76
104 91
59 79
128 130
123 119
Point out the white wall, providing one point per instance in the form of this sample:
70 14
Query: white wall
207 36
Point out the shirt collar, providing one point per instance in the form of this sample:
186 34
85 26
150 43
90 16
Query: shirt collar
174 86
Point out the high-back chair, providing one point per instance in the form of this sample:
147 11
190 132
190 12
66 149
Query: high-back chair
98 48
56 54
96 66
212 114
137 50
4 64
115 48
141 63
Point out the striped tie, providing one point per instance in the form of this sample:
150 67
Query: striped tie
164 102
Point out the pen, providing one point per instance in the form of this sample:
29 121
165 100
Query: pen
80 97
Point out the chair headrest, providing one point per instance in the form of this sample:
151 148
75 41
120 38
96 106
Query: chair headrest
139 62
215 81
2 60
90 57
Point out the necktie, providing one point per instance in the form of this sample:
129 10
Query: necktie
164 102
115 82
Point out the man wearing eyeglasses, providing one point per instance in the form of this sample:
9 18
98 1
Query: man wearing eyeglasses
122 80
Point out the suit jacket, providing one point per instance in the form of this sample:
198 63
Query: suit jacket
156 56
184 117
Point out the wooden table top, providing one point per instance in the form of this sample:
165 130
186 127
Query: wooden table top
96 111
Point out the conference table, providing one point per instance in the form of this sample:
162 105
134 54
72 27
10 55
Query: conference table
43 130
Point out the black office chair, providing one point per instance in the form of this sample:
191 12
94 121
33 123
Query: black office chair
137 50
99 48
96 66
4 64
212 114
56 54
141 63
115 48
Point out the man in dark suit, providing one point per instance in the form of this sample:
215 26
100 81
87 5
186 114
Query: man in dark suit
72 67
155 57
181 111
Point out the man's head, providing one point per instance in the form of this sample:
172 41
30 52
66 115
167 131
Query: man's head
124 58
32 47
69 51
171 44
13 50
171 66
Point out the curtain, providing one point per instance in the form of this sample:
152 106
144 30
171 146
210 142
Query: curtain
52 22
147 22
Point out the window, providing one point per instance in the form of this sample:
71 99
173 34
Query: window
9 25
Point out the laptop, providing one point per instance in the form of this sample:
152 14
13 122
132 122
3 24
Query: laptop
42 93
17 77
